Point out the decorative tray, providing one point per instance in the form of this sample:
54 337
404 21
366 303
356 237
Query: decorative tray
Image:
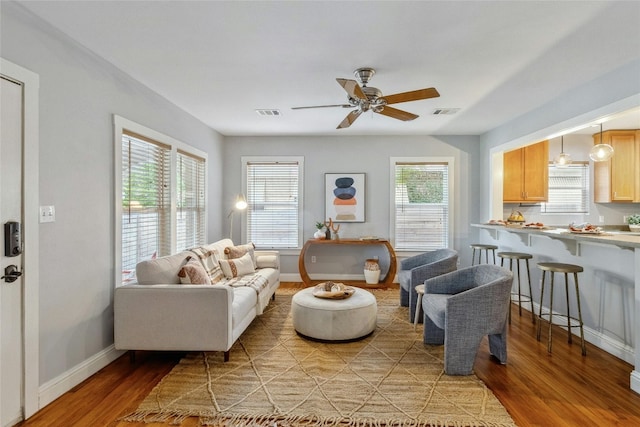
331 290
586 231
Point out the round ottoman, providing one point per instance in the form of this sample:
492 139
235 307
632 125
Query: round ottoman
334 319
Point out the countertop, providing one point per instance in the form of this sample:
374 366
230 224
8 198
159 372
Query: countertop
623 239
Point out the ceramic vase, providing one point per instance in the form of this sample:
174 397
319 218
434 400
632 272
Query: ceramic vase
371 271
319 235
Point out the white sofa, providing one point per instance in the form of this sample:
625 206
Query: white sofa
159 313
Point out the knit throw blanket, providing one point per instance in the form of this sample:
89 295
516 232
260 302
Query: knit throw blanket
275 378
255 281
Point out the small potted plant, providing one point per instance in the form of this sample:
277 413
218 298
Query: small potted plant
319 234
634 222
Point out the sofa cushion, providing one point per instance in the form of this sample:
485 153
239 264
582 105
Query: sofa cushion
237 267
161 271
267 261
237 251
193 273
244 301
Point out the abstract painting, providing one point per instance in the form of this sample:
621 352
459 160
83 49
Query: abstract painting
345 197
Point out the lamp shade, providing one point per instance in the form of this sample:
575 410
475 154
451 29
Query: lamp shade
241 202
601 152
563 159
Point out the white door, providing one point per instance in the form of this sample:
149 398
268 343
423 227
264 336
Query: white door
11 286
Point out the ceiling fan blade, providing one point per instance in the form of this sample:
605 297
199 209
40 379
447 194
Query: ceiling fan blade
397 114
353 88
348 121
324 106
414 95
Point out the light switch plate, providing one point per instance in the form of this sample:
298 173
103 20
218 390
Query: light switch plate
47 214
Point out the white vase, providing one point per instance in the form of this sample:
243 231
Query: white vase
371 271
634 227
319 234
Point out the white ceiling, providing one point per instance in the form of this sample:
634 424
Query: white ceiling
221 60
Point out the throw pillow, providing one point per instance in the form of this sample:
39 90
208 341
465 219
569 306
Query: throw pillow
193 273
267 261
237 267
209 260
239 250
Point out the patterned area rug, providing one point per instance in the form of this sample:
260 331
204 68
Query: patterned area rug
276 378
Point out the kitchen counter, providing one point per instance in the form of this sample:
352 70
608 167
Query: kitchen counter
622 239
609 286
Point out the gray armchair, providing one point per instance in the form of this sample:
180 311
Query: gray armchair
416 269
463 306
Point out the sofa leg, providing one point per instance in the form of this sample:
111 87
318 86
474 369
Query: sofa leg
273 296
226 356
132 356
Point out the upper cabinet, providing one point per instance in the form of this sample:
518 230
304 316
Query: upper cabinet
618 179
526 174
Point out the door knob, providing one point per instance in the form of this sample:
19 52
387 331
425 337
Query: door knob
11 274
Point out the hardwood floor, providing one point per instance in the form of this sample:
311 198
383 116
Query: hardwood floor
538 389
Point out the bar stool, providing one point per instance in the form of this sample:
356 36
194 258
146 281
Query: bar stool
554 267
517 256
480 248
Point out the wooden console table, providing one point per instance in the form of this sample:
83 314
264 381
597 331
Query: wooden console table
388 280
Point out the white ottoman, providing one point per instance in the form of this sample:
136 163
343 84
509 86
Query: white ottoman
334 319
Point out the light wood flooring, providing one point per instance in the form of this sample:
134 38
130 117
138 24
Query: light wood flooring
538 389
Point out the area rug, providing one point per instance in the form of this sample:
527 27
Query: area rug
276 378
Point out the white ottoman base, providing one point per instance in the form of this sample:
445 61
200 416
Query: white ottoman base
334 320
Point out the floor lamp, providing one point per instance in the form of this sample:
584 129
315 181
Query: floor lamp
239 205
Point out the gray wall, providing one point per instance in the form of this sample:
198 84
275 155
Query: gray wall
79 93
368 154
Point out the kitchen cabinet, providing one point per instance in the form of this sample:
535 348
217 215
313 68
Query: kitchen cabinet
526 174
618 179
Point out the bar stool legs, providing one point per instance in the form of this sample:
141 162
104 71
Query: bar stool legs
565 269
483 248
517 256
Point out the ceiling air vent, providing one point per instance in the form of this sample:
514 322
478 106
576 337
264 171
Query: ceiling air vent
445 111
268 112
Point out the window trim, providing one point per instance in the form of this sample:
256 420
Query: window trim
300 160
393 161
120 125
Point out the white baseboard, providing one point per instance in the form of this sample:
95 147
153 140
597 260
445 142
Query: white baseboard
53 389
635 381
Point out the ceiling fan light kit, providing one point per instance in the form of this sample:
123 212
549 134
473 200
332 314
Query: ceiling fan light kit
365 98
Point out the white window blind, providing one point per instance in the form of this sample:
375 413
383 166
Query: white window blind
273 214
190 214
146 201
421 205
568 189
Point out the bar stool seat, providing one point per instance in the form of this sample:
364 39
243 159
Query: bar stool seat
517 256
572 322
483 248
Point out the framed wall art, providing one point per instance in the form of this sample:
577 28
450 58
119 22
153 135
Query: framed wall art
344 197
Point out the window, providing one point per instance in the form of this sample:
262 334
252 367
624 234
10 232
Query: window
191 197
421 212
160 196
274 193
568 189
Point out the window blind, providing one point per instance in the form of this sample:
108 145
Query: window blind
273 211
568 189
421 206
146 204
190 215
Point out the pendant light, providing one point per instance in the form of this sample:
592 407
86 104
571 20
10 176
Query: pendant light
601 152
563 159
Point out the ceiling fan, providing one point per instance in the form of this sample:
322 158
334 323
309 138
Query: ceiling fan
364 98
